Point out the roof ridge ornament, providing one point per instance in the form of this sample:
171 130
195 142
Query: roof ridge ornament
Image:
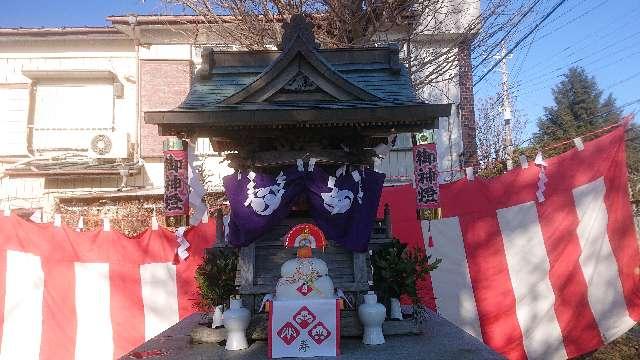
298 26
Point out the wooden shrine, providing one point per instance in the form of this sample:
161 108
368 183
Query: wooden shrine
267 109
259 263
273 107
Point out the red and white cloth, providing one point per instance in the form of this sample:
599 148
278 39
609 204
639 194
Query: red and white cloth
532 279
90 295
539 280
304 328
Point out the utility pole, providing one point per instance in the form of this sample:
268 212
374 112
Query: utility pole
506 105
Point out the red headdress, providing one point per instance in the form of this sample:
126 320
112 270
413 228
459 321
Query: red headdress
305 235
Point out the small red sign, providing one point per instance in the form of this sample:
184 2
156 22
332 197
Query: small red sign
304 317
288 333
305 289
319 333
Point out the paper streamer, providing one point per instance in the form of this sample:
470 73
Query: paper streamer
542 178
469 172
80 226
183 244
106 224
57 220
197 191
154 221
312 164
265 299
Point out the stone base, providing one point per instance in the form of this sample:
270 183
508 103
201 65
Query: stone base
349 326
202 335
440 340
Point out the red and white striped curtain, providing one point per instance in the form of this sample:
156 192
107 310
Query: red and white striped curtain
539 280
90 295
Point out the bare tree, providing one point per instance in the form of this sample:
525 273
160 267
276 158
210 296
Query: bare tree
430 32
490 134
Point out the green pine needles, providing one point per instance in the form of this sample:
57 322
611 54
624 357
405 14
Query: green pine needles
397 268
216 278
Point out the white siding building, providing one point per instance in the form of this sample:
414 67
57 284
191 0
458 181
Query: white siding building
82 91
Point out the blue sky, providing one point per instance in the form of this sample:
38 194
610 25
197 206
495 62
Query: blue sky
601 35
55 13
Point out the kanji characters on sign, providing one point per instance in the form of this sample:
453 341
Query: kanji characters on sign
426 176
304 328
288 333
176 185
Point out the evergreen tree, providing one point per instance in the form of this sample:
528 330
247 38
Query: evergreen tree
579 108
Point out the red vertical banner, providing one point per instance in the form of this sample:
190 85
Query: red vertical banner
176 182
425 170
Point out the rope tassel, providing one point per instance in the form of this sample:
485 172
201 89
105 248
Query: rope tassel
430 243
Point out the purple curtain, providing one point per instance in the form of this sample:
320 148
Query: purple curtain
343 204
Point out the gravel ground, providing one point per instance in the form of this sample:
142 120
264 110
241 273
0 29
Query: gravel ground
625 347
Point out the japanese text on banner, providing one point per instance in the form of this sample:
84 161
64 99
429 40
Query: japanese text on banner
176 186
426 176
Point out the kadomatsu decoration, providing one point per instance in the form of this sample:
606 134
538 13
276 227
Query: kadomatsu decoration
397 268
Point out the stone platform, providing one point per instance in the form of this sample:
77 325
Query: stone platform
439 340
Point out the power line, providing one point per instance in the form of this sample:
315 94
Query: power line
565 23
515 46
546 61
533 82
508 32
541 81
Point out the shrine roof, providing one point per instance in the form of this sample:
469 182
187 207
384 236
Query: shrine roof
300 85
368 70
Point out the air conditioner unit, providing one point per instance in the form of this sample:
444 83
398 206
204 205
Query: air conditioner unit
109 145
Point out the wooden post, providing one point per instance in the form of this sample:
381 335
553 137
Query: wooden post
220 240
387 220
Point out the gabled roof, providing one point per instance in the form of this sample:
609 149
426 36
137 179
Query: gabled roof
301 84
376 71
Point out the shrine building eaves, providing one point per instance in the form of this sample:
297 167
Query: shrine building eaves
300 85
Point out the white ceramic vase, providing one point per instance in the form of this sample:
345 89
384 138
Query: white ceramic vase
236 321
396 309
372 314
216 316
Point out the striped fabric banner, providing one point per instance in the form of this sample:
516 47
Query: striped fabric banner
93 295
538 280
24 288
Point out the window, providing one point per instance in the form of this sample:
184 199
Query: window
66 115
14 107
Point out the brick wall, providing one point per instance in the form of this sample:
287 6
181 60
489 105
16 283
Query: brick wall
164 84
466 106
